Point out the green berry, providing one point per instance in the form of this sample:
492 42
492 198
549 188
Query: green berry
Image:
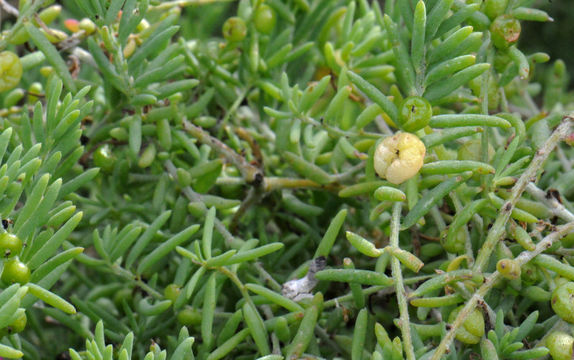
508 268
10 245
234 29
189 317
10 70
265 19
560 345
456 244
104 158
19 324
16 326
563 302
472 328
15 271
415 113
505 31
171 292
529 274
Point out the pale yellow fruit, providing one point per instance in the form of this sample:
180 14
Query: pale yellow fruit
399 157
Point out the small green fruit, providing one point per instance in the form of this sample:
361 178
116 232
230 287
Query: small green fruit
171 292
560 345
529 273
189 317
563 302
104 158
10 245
505 31
454 245
472 329
415 113
234 29
15 271
15 327
19 324
10 70
508 268
265 19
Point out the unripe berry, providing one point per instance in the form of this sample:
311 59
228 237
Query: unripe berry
104 158
234 29
265 19
16 326
508 268
10 70
472 328
415 113
560 345
171 292
505 31
563 301
10 245
454 245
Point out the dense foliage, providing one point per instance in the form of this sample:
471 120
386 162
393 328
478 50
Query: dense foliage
301 179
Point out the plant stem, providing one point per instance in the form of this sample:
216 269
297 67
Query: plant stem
399 284
554 205
528 176
276 183
387 290
489 282
128 275
195 197
251 173
183 3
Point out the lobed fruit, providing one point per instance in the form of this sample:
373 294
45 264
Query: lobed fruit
415 113
234 29
189 317
508 268
171 292
505 31
399 157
